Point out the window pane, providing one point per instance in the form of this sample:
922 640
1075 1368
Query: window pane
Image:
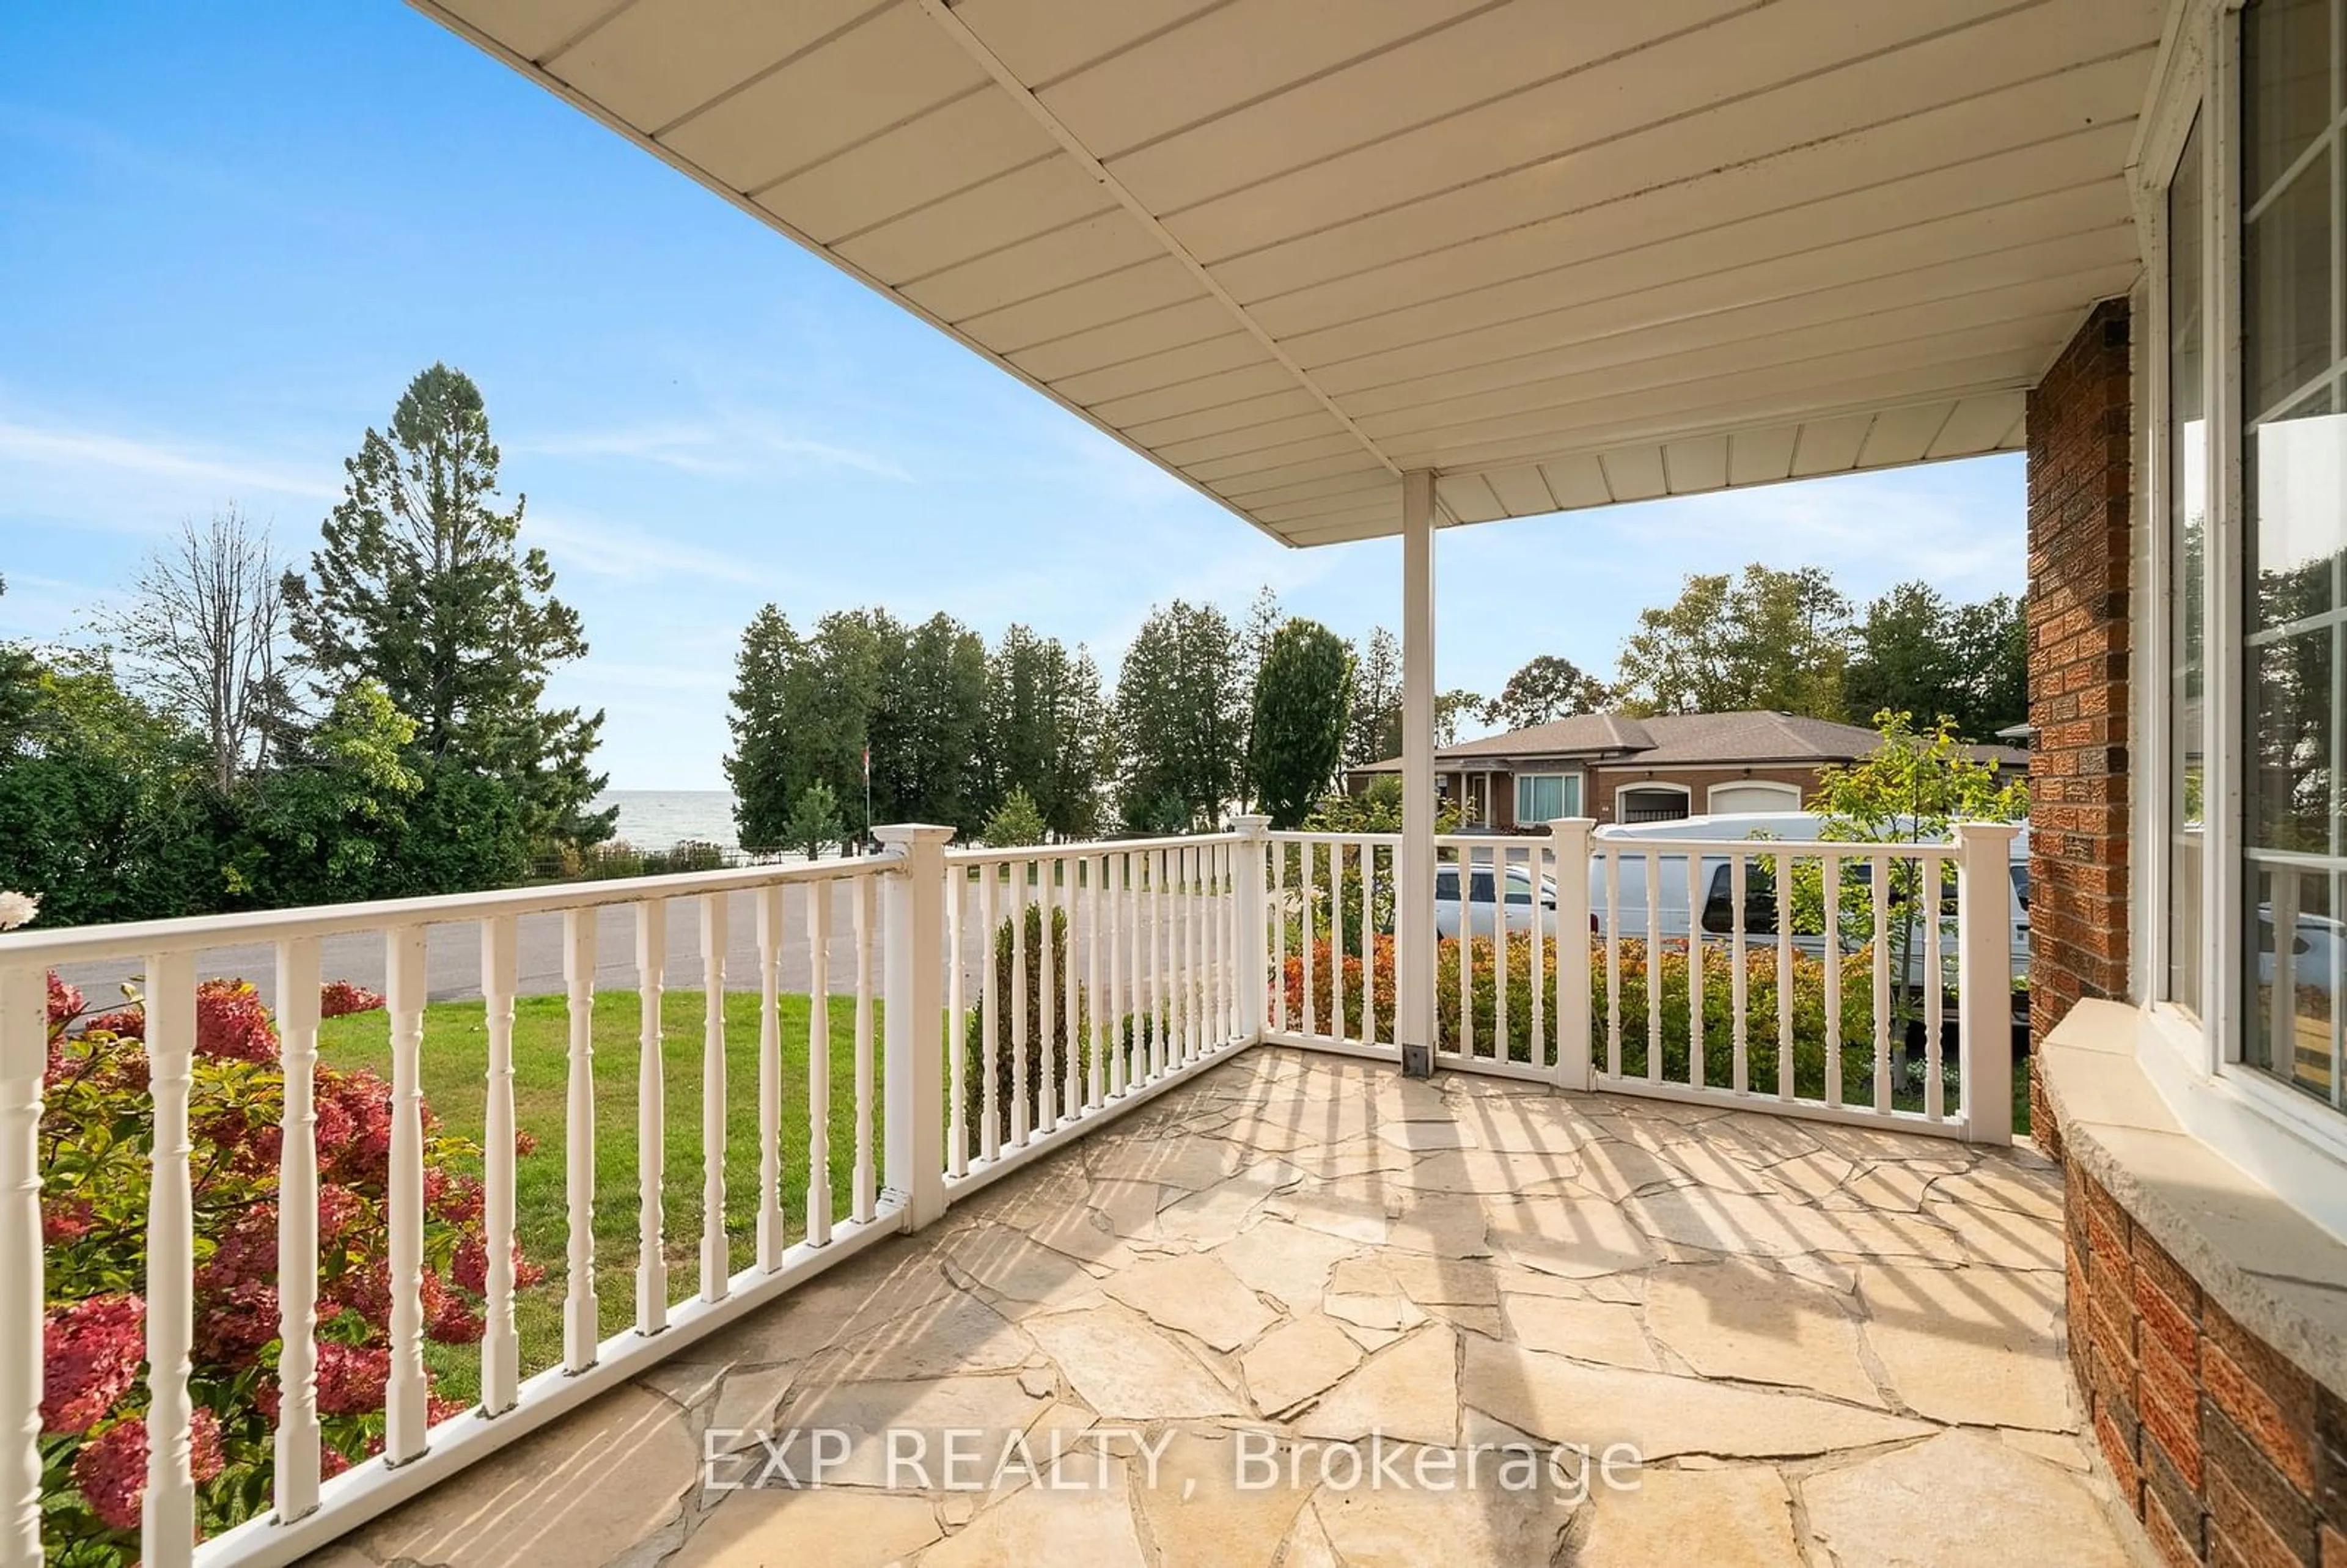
2296 468
2286 281
2286 81
2294 544
1569 795
2188 519
2291 1027
2292 745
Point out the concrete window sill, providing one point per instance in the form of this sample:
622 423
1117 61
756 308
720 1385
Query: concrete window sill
2280 1275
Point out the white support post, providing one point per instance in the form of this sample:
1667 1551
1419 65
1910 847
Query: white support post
1414 897
914 1081
1985 978
1571 837
24 1061
1255 940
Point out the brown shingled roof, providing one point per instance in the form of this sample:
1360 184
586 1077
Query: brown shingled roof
1688 739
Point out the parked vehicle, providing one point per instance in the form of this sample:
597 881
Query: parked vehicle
1480 912
1672 918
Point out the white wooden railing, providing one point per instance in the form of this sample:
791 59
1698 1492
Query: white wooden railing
1921 936
1060 986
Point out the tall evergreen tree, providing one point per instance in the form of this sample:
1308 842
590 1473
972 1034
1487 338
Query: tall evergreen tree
1374 732
775 723
421 584
1181 717
1303 694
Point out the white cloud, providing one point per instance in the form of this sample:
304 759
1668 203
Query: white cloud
723 447
621 550
100 455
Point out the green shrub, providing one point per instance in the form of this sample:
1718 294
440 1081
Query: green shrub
1008 1032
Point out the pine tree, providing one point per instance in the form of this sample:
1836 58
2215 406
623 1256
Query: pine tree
421 585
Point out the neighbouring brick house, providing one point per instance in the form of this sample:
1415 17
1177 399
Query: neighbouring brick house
1612 767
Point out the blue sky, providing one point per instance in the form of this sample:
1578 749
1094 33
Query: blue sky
228 235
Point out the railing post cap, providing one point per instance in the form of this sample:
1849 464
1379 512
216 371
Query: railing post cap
1986 832
912 832
1252 823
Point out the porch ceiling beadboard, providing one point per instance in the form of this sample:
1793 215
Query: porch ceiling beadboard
1563 254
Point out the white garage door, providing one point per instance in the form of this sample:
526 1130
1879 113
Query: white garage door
1750 797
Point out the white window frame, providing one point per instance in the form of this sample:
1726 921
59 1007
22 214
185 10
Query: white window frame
2223 1100
1783 791
1565 776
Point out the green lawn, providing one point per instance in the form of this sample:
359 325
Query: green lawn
456 1053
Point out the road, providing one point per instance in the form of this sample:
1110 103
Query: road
453 961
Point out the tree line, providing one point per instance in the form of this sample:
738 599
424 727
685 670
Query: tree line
239 733
1792 641
1024 740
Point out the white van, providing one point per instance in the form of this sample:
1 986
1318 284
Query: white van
1716 917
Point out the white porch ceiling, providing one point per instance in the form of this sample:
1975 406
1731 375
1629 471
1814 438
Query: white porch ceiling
1565 252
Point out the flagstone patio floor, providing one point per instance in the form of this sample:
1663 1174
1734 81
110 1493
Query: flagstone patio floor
1815 1343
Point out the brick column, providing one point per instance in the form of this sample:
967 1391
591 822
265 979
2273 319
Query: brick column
2080 482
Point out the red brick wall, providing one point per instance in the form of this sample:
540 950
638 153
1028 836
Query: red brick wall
2227 1452
2080 500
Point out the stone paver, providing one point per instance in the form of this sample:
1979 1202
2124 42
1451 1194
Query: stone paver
1302 1313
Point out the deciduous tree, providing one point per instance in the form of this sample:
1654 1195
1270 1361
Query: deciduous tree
1546 688
203 634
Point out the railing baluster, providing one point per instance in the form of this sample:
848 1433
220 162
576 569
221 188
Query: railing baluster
1195 935
989 1002
1612 963
1695 970
1309 942
1466 952
1932 873
651 1118
1740 982
1095 1069
1501 1043
1180 969
1118 920
167 1517
296 1478
1832 878
1881 869
1336 940
24 1061
715 1261
1156 859
1783 861
1654 967
956 1022
405 1409
819 917
1279 935
580 1311
1071 1002
1369 943
772 1241
1022 1125
501 1340
865 1194
1543 922
1046 1003
1226 933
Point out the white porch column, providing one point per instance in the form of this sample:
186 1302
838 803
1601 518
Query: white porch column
1414 900
912 954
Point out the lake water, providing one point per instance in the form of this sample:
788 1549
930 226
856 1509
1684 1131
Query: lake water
658 818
